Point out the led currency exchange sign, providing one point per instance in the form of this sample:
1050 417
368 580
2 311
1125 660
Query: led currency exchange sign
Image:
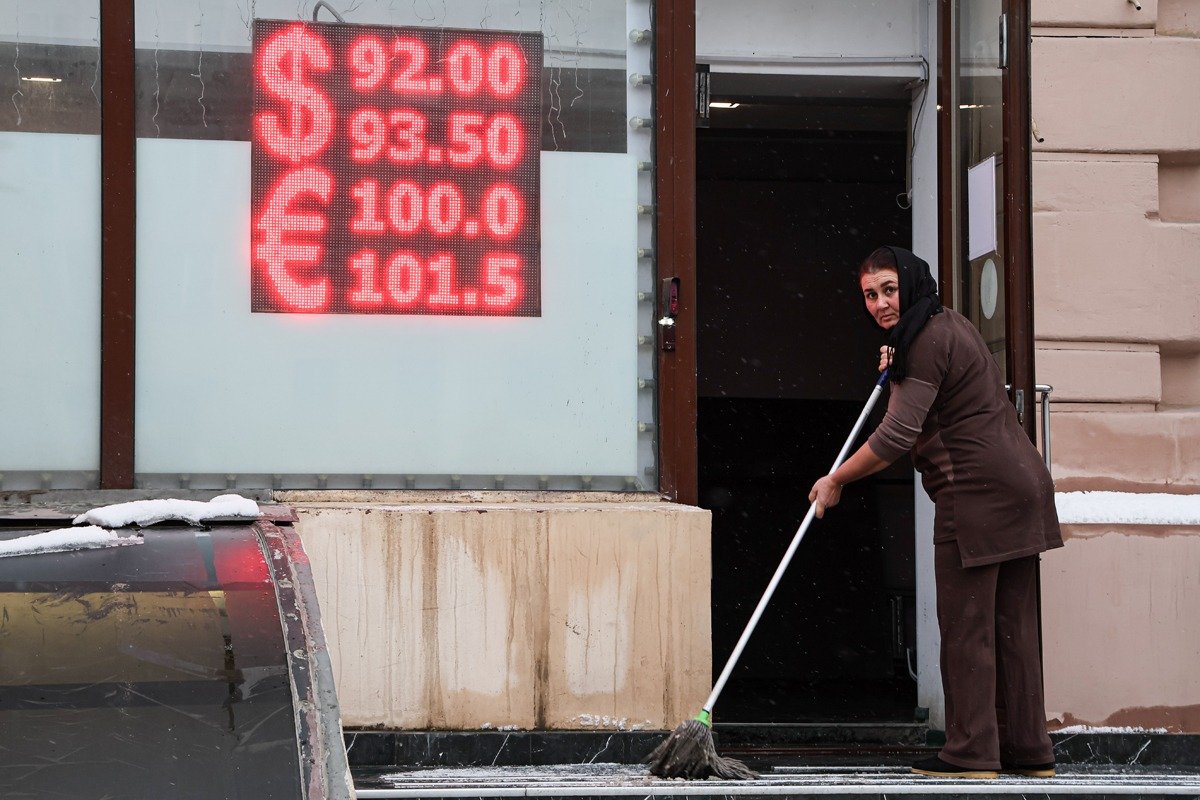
395 170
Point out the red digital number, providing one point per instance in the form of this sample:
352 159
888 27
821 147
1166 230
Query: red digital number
410 282
406 207
504 140
502 211
464 67
408 131
469 139
368 132
502 273
445 206
506 69
364 293
466 139
369 60
440 209
405 278
366 192
413 57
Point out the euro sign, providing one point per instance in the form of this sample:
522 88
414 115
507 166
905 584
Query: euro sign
310 118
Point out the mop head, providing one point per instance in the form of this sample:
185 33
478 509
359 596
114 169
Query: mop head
689 753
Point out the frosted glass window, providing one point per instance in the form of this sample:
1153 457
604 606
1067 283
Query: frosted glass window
49 244
230 398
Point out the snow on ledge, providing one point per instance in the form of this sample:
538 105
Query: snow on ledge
66 539
148 512
1128 508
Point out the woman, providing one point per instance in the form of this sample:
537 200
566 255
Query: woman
994 512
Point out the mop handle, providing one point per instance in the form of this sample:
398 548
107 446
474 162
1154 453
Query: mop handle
787 558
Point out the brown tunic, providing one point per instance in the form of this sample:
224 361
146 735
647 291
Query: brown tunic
991 490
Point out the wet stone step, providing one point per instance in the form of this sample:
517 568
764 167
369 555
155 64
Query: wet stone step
623 780
809 744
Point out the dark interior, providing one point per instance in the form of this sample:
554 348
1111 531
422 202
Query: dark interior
791 195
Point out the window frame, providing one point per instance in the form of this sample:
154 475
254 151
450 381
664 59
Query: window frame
674 43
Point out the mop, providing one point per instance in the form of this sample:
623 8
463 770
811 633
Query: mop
689 751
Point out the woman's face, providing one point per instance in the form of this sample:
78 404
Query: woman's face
881 293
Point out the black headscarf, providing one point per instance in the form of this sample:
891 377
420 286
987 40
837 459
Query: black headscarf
918 302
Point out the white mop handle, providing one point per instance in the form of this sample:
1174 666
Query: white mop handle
787 558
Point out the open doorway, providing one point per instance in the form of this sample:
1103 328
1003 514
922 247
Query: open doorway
794 187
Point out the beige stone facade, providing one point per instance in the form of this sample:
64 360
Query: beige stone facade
1117 274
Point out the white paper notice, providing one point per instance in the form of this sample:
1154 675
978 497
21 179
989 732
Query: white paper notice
981 208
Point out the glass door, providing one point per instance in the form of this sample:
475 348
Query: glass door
984 130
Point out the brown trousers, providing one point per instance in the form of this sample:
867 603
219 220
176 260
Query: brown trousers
991 667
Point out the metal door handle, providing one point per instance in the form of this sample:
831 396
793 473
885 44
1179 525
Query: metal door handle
1044 390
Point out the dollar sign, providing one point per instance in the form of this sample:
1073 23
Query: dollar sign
310 116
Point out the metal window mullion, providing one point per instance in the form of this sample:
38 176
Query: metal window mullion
675 239
118 147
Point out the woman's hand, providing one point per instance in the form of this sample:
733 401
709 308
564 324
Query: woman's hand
826 493
885 357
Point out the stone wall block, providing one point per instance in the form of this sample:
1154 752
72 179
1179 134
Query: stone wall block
1083 183
1179 191
1110 95
489 593
364 567
1114 277
1126 451
1094 13
1100 375
626 619
1121 625
1178 18
1181 380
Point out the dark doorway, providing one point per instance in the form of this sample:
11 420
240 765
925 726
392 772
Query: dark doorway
791 195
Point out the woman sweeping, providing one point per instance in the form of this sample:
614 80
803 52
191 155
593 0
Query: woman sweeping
994 512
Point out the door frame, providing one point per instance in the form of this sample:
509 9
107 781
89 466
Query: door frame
675 251
675 242
675 222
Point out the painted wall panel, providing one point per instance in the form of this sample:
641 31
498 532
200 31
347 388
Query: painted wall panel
848 28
